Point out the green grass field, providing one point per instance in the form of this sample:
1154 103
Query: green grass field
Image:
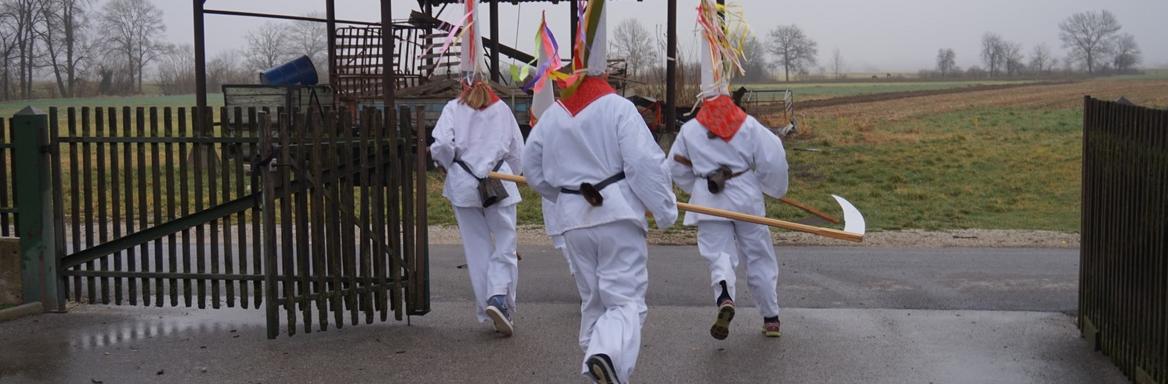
7 109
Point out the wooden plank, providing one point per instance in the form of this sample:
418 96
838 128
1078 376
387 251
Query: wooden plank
87 189
317 196
240 232
256 225
407 215
115 199
332 151
58 190
100 187
269 229
74 196
288 266
364 252
397 261
140 172
198 153
156 184
349 257
5 153
299 169
127 158
419 277
171 197
185 204
381 253
213 200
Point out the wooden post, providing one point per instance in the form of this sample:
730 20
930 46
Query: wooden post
40 262
200 58
671 69
495 69
331 14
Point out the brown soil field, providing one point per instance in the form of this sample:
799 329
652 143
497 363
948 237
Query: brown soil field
1152 93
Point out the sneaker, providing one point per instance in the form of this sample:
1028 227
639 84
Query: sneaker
497 311
601 369
721 328
771 329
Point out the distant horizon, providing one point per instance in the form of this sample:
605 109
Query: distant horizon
900 37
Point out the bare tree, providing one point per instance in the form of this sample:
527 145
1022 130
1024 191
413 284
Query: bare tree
632 42
1127 53
993 52
754 63
1041 60
946 62
9 41
267 46
134 30
837 64
1090 36
310 39
794 50
66 43
27 17
1014 60
226 68
176 70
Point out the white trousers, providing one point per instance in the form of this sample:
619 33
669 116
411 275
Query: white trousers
488 240
724 243
612 277
562 246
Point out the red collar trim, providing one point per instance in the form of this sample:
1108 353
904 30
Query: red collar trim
721 117
590 89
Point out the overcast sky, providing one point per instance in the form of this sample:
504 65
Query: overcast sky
887 35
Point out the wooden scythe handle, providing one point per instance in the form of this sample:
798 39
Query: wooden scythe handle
825 232
806 208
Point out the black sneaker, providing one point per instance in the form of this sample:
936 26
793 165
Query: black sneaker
721 328
600 366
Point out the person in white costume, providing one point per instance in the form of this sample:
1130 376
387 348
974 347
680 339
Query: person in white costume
543 97
476 134
726 159
593 155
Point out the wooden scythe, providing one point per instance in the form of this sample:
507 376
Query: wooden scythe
853 221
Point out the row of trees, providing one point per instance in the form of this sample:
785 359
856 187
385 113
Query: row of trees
84 49
1092 39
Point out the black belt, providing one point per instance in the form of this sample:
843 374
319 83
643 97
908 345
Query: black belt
591 192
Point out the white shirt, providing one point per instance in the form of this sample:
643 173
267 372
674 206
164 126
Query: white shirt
753 148
480 139
604 139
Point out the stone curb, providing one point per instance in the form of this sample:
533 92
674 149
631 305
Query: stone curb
34 308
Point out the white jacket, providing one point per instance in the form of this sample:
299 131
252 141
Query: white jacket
606 138
480 139
753 148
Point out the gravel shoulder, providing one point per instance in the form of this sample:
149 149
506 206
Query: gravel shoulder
977 238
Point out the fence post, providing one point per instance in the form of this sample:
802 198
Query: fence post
40 266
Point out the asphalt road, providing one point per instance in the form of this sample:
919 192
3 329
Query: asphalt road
851 316
821 277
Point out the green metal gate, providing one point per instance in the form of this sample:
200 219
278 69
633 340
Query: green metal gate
152 207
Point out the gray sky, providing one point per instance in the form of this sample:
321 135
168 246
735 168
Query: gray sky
887 36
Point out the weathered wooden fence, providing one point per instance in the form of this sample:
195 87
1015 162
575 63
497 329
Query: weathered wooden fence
1123 290
150 206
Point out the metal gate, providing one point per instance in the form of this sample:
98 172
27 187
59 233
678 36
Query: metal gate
152 207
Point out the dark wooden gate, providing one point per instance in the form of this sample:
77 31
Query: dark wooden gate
1123 289
152 207
336 188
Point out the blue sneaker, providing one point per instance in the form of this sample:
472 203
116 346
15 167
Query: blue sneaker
498 312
